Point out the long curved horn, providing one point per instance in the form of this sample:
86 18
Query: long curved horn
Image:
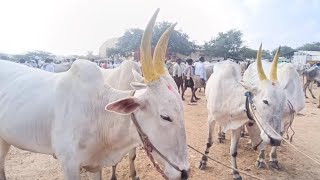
261 74
274 67
159 54
145 51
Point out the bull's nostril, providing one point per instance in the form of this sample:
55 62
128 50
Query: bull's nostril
275 142
184 175
272 141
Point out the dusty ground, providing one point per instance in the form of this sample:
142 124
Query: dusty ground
24 165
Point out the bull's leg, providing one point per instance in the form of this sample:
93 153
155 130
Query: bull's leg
305 89
273 158
235 137
310 90
319 102
221 135
95 176
4 149
211 123
132 157
114 175
71 168
261 162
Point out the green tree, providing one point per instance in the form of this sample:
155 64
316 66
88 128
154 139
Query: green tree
246 52
225 45
266 54
130 41
315 46
285 51
179 41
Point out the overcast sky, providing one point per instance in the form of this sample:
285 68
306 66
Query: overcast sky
66 27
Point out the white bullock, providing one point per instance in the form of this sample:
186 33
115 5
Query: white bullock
68 118
227 105
290 82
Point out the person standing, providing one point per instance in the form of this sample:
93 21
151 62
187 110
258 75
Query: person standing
188 82
178 74
200 76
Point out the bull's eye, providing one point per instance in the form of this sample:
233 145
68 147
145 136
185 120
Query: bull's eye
266 102
167 118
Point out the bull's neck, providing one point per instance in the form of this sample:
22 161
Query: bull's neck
117 131
239 106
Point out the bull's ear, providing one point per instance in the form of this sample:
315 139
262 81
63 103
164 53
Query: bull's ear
137 77
138 85
248 86
124 106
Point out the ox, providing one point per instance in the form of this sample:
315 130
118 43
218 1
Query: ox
69 120
312 74
229 107
290 82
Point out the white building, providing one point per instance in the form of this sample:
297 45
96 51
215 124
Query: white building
304 57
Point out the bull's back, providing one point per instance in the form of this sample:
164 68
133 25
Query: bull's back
26 98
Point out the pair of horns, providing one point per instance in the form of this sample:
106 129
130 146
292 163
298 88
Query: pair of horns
274 67
153 68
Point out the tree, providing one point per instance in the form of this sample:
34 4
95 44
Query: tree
285 51
246 52
266 54
179 41
33 55
315 46
4 56
225 44
130 41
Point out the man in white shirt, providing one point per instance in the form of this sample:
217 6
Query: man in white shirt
178 74
200 75
48 65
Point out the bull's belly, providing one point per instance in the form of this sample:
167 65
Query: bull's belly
27 132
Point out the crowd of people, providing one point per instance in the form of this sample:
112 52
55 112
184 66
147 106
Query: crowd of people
192 76
108 65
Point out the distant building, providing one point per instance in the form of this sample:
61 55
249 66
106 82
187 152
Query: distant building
304 57
110 43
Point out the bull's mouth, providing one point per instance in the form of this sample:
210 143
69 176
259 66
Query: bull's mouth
275 142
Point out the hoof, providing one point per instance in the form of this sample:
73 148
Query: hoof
275 165
220 140
113 178
136 178
242 134
203 165
261 164
237 178
223 136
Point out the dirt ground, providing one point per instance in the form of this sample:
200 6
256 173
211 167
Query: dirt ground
22 165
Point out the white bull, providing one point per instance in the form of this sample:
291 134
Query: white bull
63 115
290 82
227 105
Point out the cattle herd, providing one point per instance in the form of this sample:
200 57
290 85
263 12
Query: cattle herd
89 117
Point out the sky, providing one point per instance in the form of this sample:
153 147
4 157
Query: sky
67 27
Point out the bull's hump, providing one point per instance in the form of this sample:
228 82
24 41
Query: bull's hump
86 71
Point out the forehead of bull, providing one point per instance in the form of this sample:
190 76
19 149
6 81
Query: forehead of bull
164 92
